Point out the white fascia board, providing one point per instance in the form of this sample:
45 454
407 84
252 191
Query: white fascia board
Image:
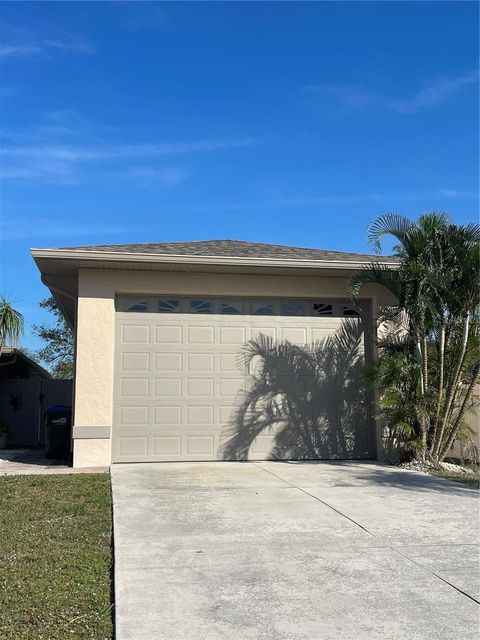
113 256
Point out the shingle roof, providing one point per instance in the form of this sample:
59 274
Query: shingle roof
233 249
10 355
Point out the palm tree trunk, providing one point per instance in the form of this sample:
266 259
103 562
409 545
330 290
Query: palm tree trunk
453 386
420 410
420 365
422 420
441 377
424 442
425 361
461 413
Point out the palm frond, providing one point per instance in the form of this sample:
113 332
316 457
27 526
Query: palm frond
472 231
389 224
11 324
434 221
393 316
374 273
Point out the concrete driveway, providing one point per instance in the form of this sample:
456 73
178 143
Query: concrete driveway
293 551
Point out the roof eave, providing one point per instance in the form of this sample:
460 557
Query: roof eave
18 353
113 256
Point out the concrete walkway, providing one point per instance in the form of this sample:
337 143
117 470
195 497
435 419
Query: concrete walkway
26 462
293 551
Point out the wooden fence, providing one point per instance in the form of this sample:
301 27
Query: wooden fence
22 403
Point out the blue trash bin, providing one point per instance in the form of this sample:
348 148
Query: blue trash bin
58 428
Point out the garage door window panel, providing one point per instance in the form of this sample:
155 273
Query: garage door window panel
350 311
139 305
199 305
234 307
293 308
231 307
262 308
168 305
323 309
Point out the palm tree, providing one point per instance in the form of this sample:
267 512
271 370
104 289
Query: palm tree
11 325
436 285
460 324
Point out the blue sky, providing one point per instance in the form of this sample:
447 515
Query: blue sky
291 123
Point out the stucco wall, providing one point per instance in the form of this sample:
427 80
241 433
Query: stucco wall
96 322
470 451
91 452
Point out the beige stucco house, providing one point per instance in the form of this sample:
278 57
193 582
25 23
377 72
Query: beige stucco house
160 333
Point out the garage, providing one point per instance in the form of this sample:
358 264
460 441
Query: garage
217 350
204 378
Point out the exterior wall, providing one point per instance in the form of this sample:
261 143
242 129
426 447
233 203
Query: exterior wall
93 369
96 322
91 452
459 450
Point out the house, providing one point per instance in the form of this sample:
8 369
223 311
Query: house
15 364
21 383
160 332
26 390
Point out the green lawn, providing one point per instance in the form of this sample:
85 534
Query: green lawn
470 479
55 557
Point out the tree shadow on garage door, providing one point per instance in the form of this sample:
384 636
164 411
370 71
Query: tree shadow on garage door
306 402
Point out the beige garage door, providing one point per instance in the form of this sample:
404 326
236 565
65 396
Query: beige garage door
205 379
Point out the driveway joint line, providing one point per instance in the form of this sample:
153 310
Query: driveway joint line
423 568
436 575
321 501
441 544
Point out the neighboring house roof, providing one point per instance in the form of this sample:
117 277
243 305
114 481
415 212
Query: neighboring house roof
231 249
14 363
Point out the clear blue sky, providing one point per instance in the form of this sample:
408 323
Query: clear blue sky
292 123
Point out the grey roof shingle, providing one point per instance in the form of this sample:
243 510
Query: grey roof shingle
233 249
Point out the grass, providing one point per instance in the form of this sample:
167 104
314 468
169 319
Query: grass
55 557
470 479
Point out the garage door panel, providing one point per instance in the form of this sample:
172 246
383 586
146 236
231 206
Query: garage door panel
295 335
133 446
229 362
200 362
135 387
134 414
200 414
135 334
200 387
262 445
226 414
135 361
179 382
231 387
201 335
167 446
167 415
168 335
266 330
167 387
168 362
200 445
230 335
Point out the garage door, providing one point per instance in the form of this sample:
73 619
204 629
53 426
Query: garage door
217 379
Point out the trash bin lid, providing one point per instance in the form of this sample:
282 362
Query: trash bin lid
58 408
